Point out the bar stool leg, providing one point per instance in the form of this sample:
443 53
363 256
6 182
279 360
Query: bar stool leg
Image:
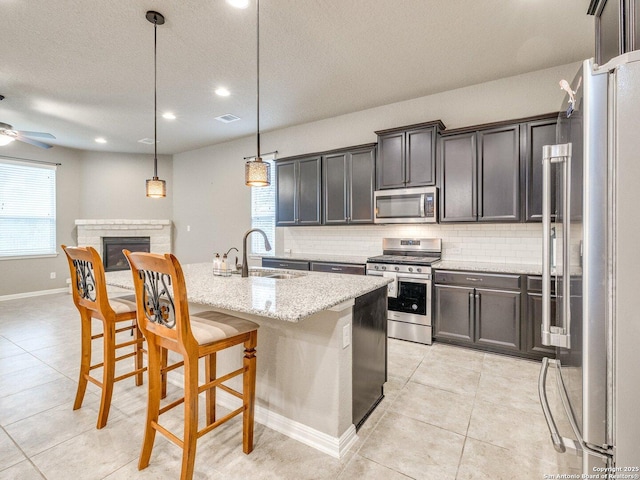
85 358
249 391
190 417
210 375
108 372
153 401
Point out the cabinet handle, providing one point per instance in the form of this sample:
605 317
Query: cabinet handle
472 279
337 269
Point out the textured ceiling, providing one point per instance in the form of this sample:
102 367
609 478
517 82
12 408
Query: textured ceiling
80 69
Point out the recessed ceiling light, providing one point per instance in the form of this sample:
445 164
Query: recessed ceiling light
223 92
147 141
238 3
101 140
168 116
227 118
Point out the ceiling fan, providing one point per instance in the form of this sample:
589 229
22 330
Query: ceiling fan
8 135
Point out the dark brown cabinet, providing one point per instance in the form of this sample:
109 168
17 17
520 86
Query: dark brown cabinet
480 176
331 267
348 184
407 156
536 135
534 317
285 263
482 310
617 26
298 192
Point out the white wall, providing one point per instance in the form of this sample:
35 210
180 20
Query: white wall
113 186
209 191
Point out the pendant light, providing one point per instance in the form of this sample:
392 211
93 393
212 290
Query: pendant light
156 188
256 172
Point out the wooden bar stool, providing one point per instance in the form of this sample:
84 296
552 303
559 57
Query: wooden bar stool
90 297
163 316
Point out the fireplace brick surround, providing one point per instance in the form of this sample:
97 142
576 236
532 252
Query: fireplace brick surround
91 232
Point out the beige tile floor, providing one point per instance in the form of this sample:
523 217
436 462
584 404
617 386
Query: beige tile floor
449 413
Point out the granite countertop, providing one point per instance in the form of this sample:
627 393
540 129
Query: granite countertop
522 268
289 300
322 257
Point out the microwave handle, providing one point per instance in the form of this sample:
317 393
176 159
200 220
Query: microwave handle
422 209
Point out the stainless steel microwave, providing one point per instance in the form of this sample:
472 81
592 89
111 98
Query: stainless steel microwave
406 205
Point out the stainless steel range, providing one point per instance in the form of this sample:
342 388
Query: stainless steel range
408 262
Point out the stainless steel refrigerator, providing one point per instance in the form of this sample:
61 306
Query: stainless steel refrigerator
591 266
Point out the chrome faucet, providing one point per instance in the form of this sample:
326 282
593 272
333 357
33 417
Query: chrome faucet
267 246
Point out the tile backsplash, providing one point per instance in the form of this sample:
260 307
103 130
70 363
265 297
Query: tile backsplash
496 243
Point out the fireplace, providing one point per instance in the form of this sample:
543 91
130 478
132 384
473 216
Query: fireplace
112 247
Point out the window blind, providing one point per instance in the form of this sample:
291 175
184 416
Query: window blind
27 209
263 213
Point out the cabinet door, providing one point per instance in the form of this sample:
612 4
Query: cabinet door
499 174
454 313
361 183
458 196
334 173
420 157
497 318
285 193
534 324
308 197
537 134
390 163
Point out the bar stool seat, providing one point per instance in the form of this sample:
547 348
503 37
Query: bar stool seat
163 316
92 301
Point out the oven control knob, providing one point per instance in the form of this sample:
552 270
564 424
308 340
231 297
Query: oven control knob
411 269
418 270
397 268
383 268
376 267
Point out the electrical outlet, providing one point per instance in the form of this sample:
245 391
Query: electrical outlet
346 335
52 275
188 228
287 250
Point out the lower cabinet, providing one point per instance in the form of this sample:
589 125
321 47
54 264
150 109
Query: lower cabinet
495 312
487 316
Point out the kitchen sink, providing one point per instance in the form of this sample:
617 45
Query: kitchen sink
276 275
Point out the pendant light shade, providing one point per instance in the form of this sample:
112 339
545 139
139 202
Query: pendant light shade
256 172
156 188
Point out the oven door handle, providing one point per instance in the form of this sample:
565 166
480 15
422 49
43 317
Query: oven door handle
422 279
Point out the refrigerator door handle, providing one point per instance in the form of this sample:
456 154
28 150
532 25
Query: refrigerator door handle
557 336
556 439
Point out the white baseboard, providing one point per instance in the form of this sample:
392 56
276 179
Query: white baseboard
16 296
335 446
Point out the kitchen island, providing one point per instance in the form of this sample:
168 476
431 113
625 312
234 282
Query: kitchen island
311 328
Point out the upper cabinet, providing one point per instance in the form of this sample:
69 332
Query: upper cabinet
298 191
493 173
536 135
480 176
617 26
348 184
407 156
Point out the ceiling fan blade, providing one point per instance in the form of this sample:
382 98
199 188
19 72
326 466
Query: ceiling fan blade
33 142
34 134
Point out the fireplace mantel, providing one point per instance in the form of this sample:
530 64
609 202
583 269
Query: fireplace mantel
91 232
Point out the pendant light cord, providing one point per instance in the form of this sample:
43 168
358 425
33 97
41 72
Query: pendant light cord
155 97
258 78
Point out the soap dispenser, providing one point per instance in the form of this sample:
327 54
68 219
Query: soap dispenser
224 266
216 264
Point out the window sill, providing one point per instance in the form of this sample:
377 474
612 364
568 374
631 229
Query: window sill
29 257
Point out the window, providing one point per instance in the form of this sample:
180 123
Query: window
263 212
27 209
